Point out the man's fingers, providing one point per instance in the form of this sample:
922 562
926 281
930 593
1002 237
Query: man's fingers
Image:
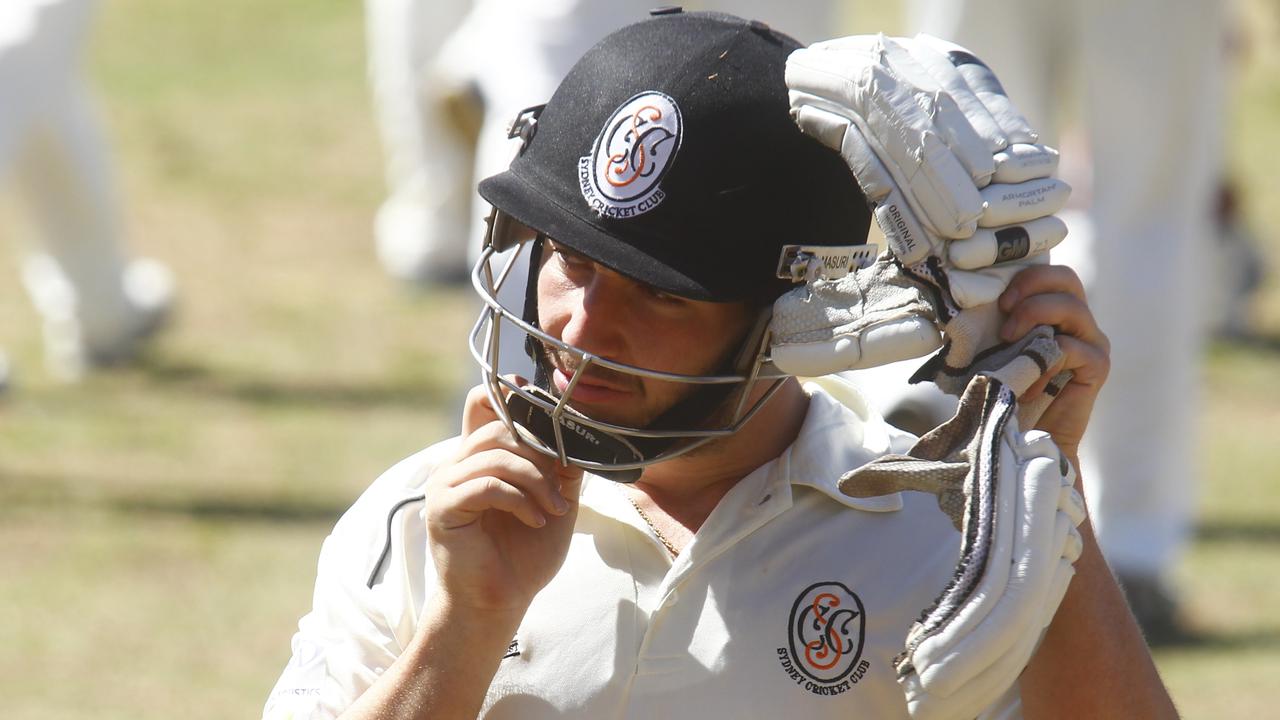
1088 363
536 477
1065 312
570 481
1037 279
494 436
463 504
1053 295
478 410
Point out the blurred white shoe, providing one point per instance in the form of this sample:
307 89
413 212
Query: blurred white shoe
78 339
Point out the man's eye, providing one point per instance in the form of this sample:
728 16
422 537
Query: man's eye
664 297
568 260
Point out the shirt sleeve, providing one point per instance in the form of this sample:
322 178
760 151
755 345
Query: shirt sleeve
353 632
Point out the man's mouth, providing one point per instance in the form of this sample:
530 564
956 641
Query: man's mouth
593 387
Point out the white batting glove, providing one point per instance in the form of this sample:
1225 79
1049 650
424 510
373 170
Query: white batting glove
1010 494
934 142
962 192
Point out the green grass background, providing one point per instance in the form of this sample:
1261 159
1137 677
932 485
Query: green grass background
159 526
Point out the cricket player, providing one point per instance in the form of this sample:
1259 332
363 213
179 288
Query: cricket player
665 521
98 304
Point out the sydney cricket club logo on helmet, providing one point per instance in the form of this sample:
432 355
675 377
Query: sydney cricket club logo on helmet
620 178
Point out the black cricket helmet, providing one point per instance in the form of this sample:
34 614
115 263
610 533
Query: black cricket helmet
668 155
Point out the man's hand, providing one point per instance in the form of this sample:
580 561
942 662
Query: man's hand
499 519
499 515
1053 295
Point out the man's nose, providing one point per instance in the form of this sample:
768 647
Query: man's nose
599 319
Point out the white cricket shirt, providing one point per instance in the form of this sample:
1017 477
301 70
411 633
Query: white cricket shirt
791 601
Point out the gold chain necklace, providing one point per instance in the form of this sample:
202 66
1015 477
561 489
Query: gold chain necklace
645 517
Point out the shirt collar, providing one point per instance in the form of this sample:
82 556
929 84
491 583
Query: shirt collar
840 433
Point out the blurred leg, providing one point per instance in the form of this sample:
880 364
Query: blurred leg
1155 123
95 303
40 45
420 228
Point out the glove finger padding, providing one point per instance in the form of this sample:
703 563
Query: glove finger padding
1022 202
1010 494
989 246
892 127
972 288
984 84
871 317
852 78
1023 161
918 112
949 118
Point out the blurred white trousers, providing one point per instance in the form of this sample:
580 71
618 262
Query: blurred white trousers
52 142
1145 79
421 226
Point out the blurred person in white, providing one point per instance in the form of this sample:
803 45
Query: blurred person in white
421 226
97 303
1145 80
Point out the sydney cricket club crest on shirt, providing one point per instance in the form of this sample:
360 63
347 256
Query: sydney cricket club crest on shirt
622 175
825 632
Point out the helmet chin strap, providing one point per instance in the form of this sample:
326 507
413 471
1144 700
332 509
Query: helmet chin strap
592 444
529 313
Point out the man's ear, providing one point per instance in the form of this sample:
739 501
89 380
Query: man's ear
749 347
505 232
